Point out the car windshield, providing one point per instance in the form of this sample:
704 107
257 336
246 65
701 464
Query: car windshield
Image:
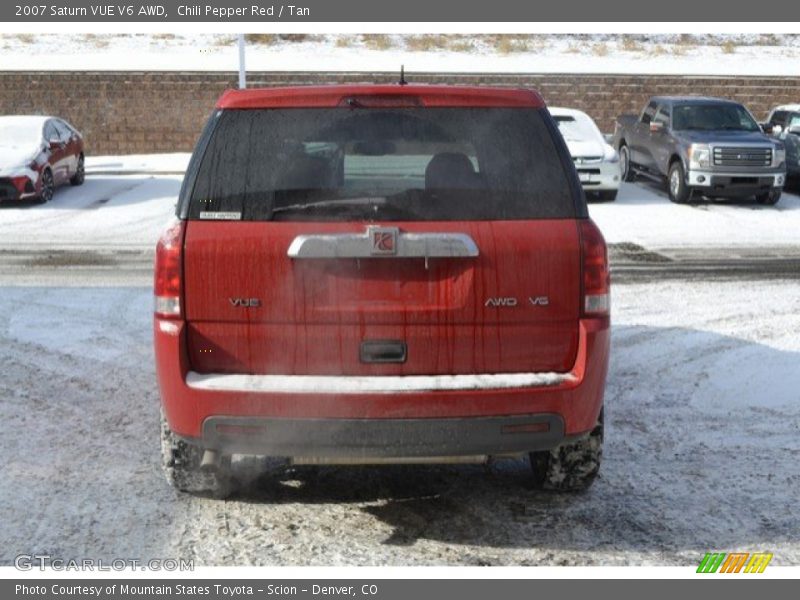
340 164
708 117
20 132
576 129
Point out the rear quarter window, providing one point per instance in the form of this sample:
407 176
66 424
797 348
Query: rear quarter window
408 164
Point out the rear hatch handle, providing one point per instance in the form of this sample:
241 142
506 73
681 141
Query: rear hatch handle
383 351
383 242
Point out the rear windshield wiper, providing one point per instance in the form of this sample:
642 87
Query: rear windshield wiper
363 201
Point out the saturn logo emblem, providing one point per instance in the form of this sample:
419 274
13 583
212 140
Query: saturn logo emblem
383 240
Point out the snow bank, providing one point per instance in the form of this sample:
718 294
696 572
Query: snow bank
172 163
740 55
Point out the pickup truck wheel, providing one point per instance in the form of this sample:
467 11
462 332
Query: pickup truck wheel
625 164
678 190
181 465
770 198
571 467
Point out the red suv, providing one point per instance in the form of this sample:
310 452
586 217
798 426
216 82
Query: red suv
381 273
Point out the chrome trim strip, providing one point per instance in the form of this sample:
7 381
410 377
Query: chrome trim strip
358 245
353 384
728 173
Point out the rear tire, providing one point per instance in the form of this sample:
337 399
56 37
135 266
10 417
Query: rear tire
181 464
770 198
80 173
679 192
571 467
607 195
627 173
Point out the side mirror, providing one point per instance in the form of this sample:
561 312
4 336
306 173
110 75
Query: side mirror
656 127
609 138
54 144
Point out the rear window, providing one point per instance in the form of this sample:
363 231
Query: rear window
388 164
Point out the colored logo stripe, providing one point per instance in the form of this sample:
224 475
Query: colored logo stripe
711 562
758 562
733 563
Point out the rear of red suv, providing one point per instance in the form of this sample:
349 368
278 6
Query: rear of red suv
372 274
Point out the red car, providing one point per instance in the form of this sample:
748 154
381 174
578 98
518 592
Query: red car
38 154
381 273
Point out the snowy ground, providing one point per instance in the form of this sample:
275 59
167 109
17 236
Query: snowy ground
703 412
752 54
703 437
643 214
174 163
127 201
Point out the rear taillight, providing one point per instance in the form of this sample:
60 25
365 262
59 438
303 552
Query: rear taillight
594 264
169 272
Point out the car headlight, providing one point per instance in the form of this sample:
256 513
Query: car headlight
610 155
699 156
780 156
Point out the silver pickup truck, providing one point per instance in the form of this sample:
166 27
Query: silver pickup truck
701 146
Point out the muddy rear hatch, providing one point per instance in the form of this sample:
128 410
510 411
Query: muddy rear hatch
382 240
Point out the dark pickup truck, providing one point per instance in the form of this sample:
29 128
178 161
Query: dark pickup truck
701 146
784 123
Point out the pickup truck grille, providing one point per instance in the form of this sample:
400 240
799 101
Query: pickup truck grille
742 157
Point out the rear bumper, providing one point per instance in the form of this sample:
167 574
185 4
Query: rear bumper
382 438
438 419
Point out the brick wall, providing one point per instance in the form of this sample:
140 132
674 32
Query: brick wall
139 112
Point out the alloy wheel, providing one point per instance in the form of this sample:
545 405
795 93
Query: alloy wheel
47 186
675 183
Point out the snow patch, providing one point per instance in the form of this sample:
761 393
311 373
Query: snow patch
311 384
599 53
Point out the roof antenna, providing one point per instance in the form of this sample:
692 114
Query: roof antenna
403 75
